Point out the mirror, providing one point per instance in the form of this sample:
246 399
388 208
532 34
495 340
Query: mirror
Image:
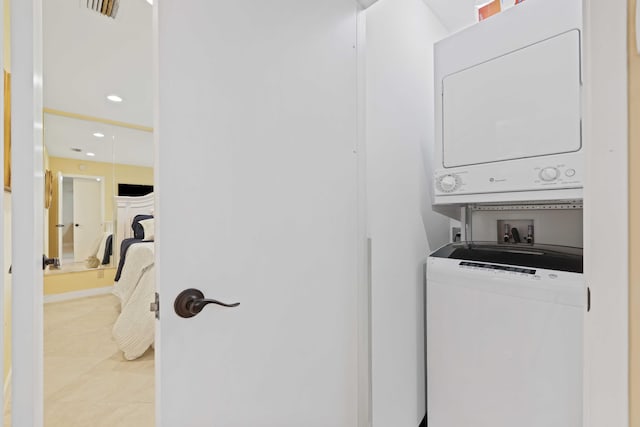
91 163
98 112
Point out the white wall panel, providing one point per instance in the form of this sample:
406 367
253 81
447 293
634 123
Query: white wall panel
402 226
606 243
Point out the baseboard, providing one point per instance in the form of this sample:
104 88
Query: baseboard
77 294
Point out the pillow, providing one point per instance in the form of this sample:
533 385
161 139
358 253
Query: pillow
138 231
149 228
102 247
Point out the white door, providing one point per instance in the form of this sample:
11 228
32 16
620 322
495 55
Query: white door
87 216
257 204
60 226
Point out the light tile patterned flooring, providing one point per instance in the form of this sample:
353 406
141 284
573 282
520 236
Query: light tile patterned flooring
87 382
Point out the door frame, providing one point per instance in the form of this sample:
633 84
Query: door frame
3 237
606 263
27 213
606 366
61 176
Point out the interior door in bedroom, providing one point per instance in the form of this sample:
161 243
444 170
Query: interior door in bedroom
257 204
88 197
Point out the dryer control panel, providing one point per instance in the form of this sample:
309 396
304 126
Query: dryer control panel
539 174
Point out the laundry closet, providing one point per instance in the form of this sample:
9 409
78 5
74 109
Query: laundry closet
414 234
505 160
505 306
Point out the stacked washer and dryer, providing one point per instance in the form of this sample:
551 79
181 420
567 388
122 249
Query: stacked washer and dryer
504 320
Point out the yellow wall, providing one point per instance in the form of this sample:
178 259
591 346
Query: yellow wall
634 216
113 175
59 283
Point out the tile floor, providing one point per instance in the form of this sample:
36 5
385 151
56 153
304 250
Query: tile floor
87 382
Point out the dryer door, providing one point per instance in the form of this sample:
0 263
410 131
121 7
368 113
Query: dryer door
522 104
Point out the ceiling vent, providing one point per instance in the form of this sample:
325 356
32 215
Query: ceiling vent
104 7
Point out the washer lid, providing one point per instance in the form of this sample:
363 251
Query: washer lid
548 257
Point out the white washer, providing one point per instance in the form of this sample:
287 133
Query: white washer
505 336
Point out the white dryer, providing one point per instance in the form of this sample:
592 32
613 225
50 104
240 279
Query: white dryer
504 344
508 115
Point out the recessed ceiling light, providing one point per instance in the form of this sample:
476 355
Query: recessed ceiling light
114 98
91 154
98 135
150 1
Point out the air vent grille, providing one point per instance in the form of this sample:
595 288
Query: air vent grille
104 7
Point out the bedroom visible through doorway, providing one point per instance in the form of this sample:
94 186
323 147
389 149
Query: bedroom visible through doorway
99 362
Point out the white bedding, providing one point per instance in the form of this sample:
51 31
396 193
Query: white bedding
134 330
139 257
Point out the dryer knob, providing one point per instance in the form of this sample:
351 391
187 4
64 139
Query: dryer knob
448 183
549 174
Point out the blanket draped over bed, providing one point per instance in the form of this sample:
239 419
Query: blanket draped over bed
134 329
124 248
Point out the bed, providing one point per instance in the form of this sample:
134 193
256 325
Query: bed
134 329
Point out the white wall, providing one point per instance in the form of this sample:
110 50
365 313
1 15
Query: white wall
606 244
402 226
7 285
551 227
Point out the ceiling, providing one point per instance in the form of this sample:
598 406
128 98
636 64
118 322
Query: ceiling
454 14
88 56
120 145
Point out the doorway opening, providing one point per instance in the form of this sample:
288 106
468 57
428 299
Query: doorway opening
81 223
97 122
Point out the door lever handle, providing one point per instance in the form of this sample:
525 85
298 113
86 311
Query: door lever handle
191 302
53 262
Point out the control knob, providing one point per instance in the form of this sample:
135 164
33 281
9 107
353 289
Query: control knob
448 183
549 174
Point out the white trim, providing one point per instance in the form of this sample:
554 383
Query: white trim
4 282
27 212
606 263
67 296
365 404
